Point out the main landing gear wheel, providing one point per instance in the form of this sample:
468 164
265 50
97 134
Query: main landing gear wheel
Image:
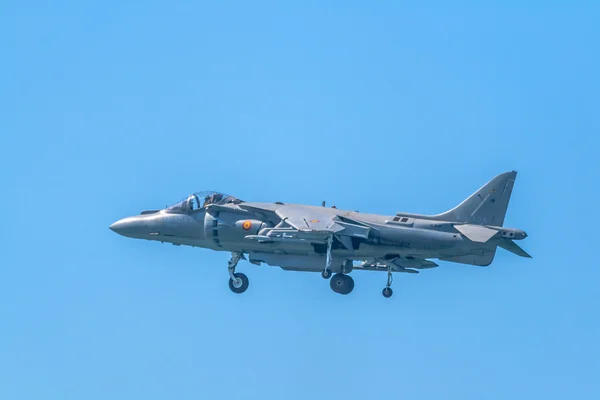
326 274
239 284
342 284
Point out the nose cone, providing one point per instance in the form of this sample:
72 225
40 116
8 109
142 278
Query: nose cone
130 227
118 226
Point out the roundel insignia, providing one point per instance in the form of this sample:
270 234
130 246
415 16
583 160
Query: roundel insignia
247 225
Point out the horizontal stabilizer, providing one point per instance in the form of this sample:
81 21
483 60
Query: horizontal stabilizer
513 248
476 233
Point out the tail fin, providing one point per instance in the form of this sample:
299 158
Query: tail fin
487 206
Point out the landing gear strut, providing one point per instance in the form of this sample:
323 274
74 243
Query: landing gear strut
238 282
387 290
326 274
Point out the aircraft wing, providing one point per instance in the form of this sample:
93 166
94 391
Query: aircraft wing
299 223
317 221
303 218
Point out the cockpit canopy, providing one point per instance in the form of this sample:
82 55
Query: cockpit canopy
198 200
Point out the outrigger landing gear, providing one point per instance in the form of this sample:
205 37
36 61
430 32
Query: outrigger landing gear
238 282
326 274
387 290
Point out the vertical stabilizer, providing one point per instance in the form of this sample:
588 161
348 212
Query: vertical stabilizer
487 206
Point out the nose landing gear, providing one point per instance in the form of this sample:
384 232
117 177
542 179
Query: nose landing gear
238 282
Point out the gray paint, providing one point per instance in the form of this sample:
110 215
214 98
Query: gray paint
294 237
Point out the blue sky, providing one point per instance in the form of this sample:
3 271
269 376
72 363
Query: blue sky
108 108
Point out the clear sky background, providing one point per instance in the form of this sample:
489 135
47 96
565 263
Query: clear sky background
108 108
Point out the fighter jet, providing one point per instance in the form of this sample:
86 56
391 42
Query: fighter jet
332 241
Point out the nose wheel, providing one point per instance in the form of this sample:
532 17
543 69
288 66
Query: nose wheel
238 282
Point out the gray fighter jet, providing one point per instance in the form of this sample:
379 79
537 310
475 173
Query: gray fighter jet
333 241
